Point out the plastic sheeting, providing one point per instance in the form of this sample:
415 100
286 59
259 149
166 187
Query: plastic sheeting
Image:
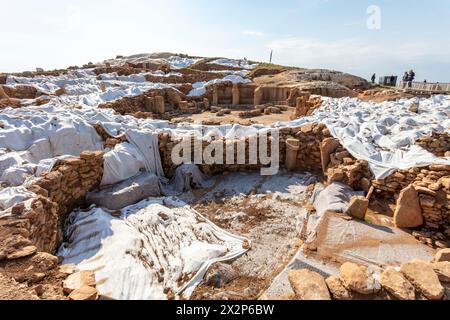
122 163
188 177
144 253
335 198
127 193
9 197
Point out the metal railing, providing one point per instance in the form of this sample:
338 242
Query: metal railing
425 87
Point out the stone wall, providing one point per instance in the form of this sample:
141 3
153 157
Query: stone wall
438 144
433 186
37 224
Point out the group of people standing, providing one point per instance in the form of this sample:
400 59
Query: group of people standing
408 78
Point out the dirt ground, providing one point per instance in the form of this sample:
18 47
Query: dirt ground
233 118
270 212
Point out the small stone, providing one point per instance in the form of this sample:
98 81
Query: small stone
397 285
44 261
219 275
358 279
308 285
338 290
358 207
84 293
78 280
424 279
442 255
442 269
68 269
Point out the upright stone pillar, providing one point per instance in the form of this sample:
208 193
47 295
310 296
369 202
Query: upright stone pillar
160 106
258 98
215 96
235 92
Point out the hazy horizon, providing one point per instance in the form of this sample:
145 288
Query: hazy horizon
328 34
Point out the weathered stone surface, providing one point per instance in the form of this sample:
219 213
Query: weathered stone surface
358 279
22 253
84 293
78 280
442 255
338 290
68 269
308 285
219 275
44 261
408 213
397 285
442 269
358 207
424 279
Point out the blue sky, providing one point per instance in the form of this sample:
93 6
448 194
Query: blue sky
306 33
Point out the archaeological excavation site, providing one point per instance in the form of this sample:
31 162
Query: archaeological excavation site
173 177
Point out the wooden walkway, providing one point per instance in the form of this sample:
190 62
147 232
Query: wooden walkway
421 87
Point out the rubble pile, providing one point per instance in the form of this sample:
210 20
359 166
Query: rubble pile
416 280
438 144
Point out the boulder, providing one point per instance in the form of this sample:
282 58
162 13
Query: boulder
338 290
78 280
84 293
424 279
408 213
442 255
358 279
308 285
442 270
358 207
397 285
219 275
44 261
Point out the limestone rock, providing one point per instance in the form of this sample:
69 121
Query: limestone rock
219 275
358 279
68 269
442 269
337 289
442 255
358 207
424 279
408 213
84 293
22 253
308 285
397 285
78 280
44 261
329 145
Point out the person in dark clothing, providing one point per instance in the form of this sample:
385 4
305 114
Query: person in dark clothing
374 77
411 77
405 79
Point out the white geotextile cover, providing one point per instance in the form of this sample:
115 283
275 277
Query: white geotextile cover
14 195
148 249
336 198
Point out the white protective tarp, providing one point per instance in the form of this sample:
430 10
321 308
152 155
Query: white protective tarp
11 196
144 253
